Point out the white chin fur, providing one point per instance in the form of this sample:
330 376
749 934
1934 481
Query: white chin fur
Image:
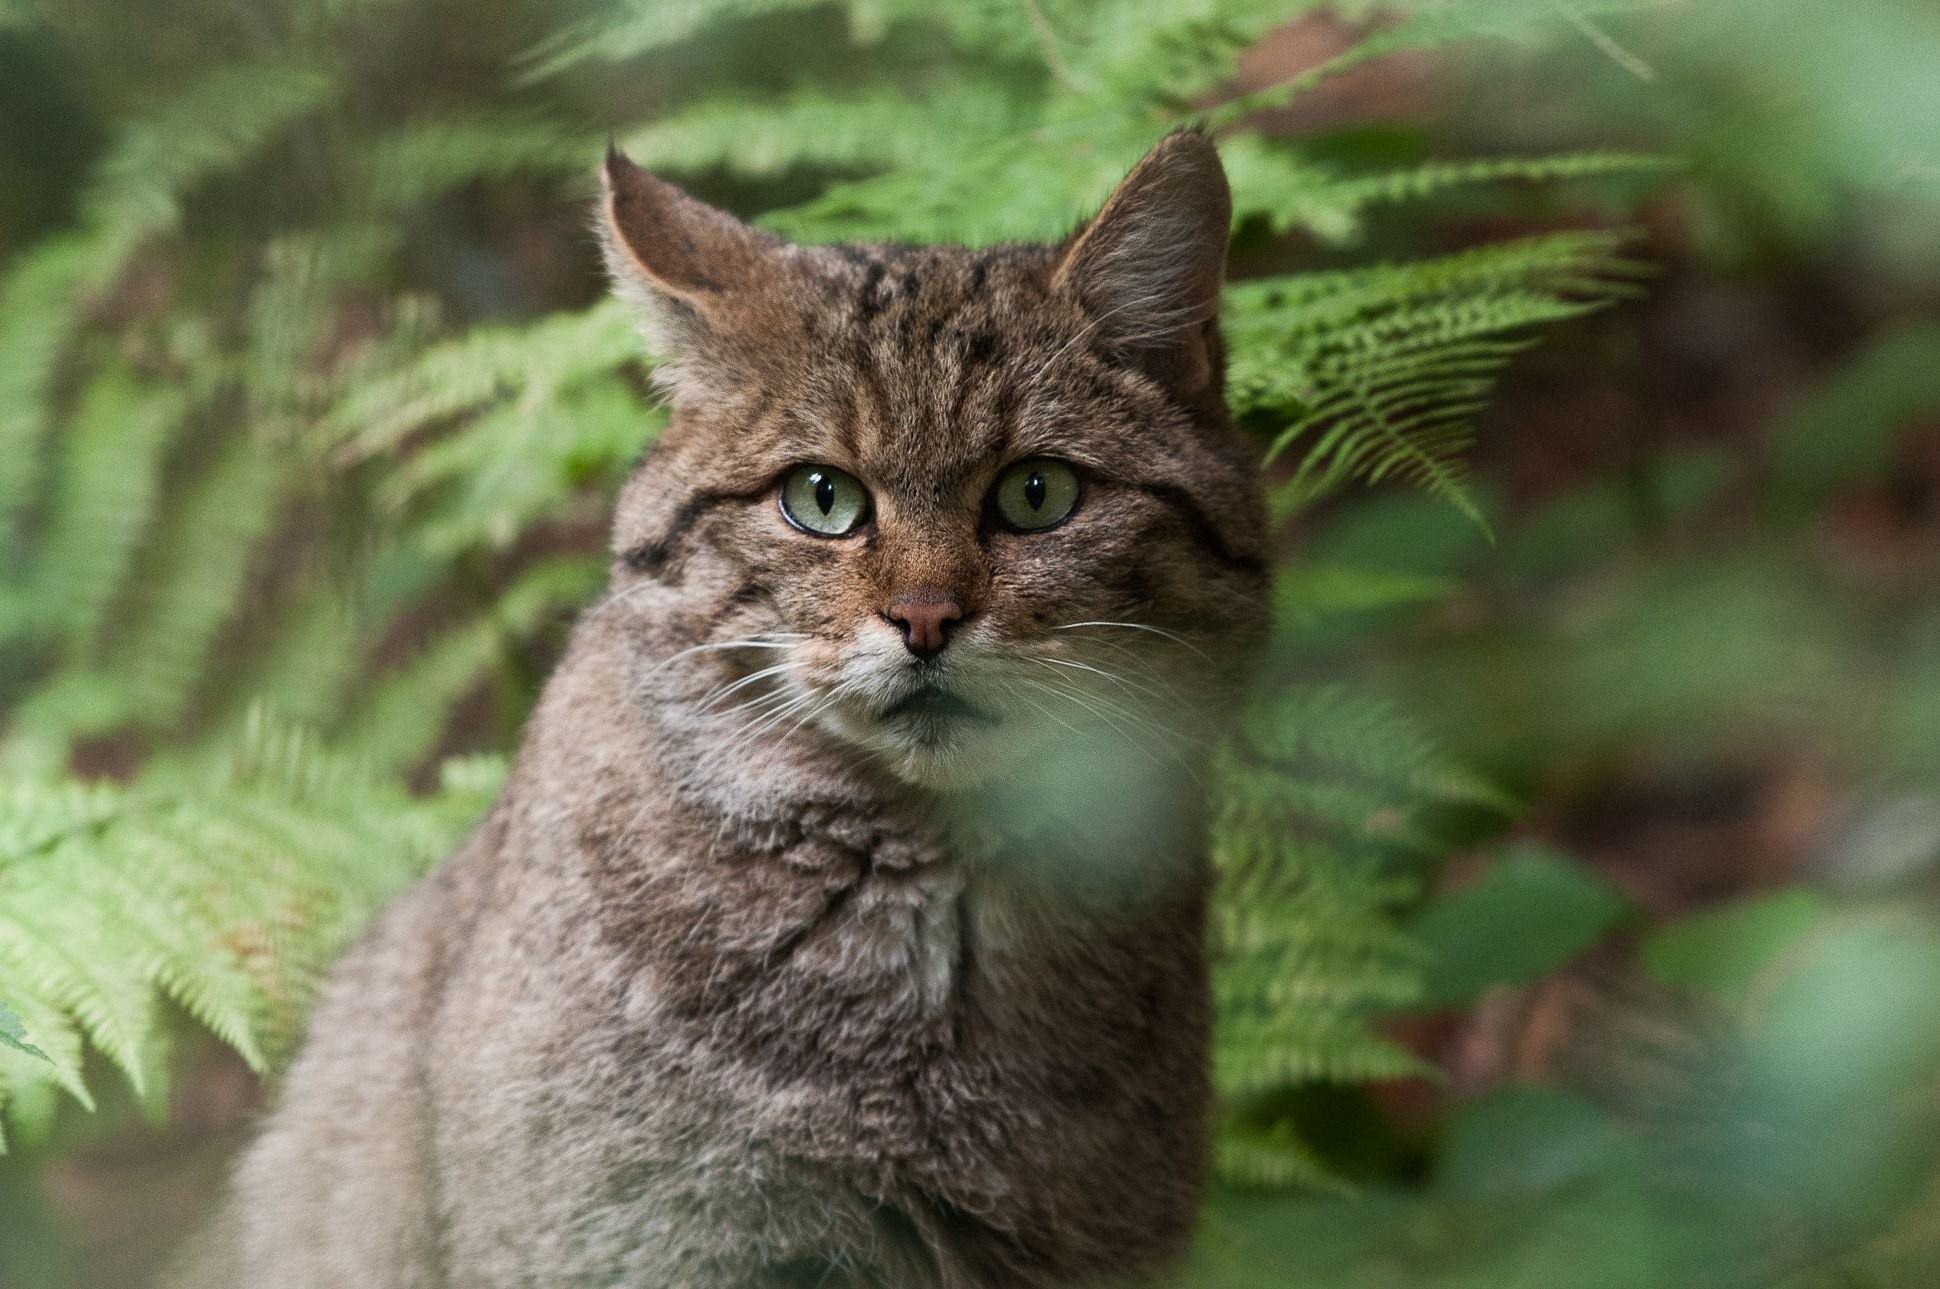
938 753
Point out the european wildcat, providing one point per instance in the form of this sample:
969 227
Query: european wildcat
842 921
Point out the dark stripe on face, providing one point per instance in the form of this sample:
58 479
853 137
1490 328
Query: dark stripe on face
869 302
983 348
863 361
979 351
1135 585
748 592
652 557
1200 525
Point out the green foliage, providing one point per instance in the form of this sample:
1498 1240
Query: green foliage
1378 373
1846 430
1326 821
13 1033
1530 913
284 436
1727 949
223 891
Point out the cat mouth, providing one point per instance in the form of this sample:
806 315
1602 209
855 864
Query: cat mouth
931 702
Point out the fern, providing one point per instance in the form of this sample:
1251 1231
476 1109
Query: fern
107 494
1378 373
267 451
208 129
36 321
1321 831
223 894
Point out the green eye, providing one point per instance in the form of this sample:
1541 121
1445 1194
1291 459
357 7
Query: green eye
1037 494
822 500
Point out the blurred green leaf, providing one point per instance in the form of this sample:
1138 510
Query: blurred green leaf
1522 1141
1723 950
1310 593
1533 911
1848 428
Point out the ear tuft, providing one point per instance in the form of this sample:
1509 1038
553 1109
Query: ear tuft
687 266
1147 267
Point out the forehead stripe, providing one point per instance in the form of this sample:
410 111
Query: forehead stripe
869 303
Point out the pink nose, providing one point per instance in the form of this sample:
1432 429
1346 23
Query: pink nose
925 618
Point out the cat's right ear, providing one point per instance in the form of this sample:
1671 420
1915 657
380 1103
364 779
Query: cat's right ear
692 271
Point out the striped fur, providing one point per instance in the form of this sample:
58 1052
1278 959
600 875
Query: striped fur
746 981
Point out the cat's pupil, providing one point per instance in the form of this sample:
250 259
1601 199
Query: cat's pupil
1034 490
825 493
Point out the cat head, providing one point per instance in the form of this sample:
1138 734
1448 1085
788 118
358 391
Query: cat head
949 507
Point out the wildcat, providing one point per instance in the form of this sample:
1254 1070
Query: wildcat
842 920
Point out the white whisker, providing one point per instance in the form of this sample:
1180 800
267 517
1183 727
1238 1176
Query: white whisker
754 677
1121 681
1173 636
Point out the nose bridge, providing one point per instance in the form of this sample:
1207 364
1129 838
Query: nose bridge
928 550
933 566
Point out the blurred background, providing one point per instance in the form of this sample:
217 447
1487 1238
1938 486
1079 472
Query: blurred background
1580 851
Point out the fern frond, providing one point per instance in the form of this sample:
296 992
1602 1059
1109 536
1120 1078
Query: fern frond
223 890
1304 1047
103 501
878 128
525 459
37 316
203 547
633 27
480 367
402 719
1330 730
1323 804
1413 183
423 158
13 1033
1273 1157
1377 373
216 124
1312 592
1281 185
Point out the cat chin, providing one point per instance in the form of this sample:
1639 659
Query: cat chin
942 756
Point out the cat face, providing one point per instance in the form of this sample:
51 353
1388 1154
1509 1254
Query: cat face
954 509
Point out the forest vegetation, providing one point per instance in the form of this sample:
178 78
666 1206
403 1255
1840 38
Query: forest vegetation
1578 852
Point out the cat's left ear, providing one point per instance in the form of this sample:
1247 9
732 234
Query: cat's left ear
1147 267
695 273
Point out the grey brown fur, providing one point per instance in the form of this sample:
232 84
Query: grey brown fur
719 998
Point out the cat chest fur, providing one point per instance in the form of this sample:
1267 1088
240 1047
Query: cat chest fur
928 1031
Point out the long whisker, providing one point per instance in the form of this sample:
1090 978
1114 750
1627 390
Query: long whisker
719 692
1144 666
1171 745
1121 681
766 640
773 718
1089 703
1104 708
828 701
1170 736
767 699
1173 636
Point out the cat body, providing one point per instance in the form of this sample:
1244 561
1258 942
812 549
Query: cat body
842 920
